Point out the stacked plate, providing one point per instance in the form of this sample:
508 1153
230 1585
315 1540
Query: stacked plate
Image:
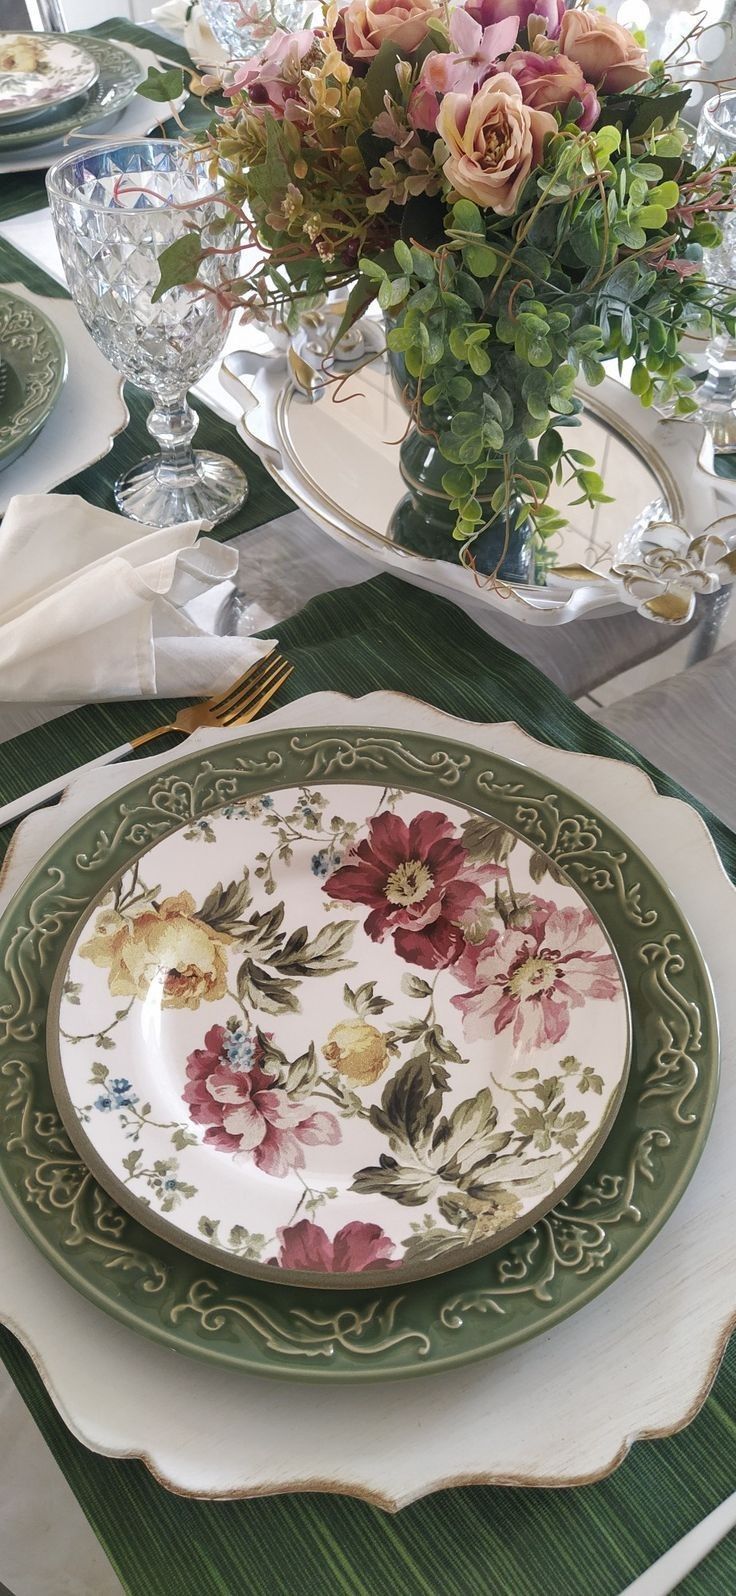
57 87
423 1046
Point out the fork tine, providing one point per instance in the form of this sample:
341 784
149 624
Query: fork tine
248 678
240 700
256 700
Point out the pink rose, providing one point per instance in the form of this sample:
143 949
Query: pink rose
358 1246
460 71
551 12
370 23
270 78
549 83
494 139
607 53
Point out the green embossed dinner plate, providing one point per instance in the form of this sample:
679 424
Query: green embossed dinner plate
526 1286
119 74
32 373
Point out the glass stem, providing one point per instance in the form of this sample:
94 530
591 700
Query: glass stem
718 392
173 426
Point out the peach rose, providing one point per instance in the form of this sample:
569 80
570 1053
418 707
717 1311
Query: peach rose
494 139
369 23
608 54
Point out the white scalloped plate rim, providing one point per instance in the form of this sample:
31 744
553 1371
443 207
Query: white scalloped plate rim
476 1415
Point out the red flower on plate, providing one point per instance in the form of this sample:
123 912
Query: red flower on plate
249 1113
532 978
356 1247
417 881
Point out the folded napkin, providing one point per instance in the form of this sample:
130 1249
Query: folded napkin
93 606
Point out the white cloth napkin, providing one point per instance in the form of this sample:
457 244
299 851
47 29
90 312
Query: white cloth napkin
93 606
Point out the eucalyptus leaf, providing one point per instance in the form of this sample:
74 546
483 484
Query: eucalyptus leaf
178 264
162 87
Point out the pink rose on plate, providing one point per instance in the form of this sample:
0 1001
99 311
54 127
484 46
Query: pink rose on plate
371 23
531 979
247 1112
550 12
356 1247
494 140
607 54
550 82
462 69
270 78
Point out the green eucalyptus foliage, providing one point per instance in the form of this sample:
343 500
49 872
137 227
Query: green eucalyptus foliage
496 318
496 325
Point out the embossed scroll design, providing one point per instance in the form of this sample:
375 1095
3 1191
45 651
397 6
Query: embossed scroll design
22 329
587 1235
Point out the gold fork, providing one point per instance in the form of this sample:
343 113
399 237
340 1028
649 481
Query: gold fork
241 703
235 707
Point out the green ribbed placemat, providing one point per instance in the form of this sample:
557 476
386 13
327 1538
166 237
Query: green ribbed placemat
21 192
585 1542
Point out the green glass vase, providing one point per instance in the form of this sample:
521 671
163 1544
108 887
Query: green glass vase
423 520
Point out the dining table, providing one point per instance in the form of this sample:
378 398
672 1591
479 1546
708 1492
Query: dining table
74 1522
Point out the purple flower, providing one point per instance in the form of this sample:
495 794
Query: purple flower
460 71
551 12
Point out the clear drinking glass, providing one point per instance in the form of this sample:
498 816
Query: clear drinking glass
717 396
115 208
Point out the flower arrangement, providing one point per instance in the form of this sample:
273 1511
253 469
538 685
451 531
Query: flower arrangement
510 180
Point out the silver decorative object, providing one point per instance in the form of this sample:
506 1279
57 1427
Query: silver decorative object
115 209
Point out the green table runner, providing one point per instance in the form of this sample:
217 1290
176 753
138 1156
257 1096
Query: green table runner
495 1542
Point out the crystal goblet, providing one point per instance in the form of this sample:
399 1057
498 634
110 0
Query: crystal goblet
115 208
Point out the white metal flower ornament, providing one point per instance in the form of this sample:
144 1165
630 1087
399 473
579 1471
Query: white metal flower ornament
671 569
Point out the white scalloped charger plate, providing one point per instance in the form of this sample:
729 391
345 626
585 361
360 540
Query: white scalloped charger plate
640 1359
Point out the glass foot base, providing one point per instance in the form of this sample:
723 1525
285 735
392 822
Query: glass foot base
157 495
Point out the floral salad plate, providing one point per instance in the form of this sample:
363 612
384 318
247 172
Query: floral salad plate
117 76
272 1326
39 71
334 1032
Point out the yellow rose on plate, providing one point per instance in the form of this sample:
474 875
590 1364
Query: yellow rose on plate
165 943
357 1050
21 55
493 140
